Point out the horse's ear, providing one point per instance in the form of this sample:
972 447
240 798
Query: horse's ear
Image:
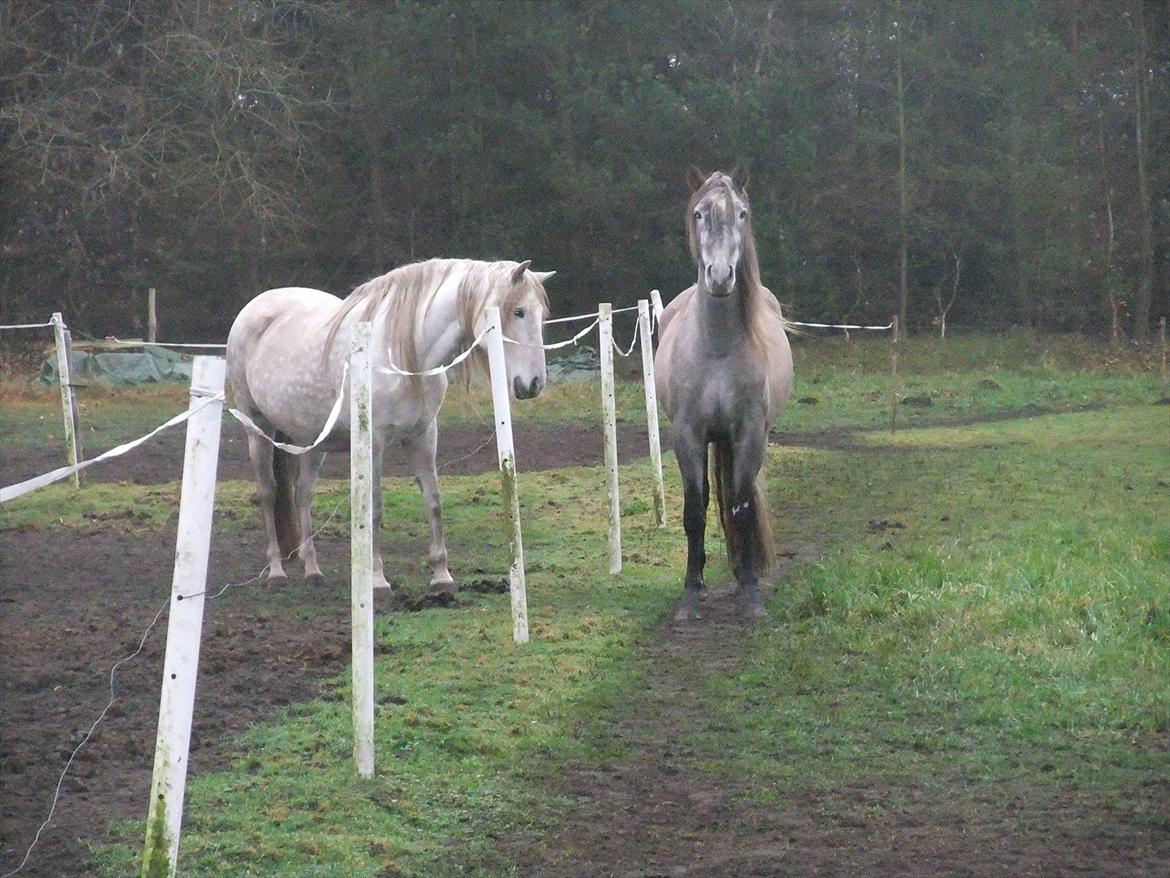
740 177
542 276
696 178
518 271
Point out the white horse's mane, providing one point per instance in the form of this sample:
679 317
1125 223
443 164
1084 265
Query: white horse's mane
402 296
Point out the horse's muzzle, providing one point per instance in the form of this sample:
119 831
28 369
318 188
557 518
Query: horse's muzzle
527 391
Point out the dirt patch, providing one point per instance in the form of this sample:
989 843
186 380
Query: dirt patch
63 625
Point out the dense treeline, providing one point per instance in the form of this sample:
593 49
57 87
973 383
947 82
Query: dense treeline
1009 156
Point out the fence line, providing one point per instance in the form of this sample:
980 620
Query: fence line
26 325
21 488
589 315
162 344
330 422
835 325
438 370
633 342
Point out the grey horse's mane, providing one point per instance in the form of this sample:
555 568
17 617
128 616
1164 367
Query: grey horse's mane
403 295
757 304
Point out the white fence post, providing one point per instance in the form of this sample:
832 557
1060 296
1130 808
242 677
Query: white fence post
361 492
656 301
501 403
609 412
185 624
652 410
68 403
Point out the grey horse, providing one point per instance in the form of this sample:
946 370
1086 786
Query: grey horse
723 371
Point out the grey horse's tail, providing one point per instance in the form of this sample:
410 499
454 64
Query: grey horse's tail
285 468
763 552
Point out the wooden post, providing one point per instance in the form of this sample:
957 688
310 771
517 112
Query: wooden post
1165 370
185 624
151 316
644 332
894 377
502 405
68 403
609 414
361 504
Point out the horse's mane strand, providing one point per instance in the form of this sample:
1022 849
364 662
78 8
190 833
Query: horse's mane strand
404 294
757 302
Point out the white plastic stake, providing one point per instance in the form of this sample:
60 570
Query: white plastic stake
185 624
656 300
609 412
652 410
361 504
68 404
501 403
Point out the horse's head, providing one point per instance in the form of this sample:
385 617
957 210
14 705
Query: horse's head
523 307
719 231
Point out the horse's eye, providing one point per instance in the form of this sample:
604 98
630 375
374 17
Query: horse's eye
743 214
698 216
519 313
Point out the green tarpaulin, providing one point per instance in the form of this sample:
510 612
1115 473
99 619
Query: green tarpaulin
122 368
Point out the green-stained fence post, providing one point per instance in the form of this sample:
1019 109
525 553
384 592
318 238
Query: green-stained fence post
609 423
185 623
361 487
68 402
502 406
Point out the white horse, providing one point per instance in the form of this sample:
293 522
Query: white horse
286 354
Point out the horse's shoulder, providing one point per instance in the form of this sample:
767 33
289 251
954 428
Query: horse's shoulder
677 306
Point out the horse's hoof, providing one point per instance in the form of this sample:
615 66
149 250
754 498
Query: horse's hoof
688 609
751 606
445 589
278 581
315 580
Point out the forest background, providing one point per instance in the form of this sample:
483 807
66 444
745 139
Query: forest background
1008 156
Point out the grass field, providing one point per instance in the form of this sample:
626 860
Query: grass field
971 618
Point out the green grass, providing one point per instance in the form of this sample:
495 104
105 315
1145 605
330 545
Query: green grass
976 608
998 602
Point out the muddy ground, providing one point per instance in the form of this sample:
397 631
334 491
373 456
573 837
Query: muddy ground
63 625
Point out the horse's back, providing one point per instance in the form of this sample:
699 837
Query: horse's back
275 345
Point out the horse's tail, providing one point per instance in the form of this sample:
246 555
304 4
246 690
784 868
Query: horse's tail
763 553
285 468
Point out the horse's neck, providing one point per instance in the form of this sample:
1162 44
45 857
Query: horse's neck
721 321
438 333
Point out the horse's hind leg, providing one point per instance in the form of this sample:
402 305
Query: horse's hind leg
691 452
421 449
306 485
261 453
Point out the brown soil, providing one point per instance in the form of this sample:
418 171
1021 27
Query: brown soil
64 624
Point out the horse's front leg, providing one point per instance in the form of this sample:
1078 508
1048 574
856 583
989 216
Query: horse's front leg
421 449
379 571
306 485
747 517
691 452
